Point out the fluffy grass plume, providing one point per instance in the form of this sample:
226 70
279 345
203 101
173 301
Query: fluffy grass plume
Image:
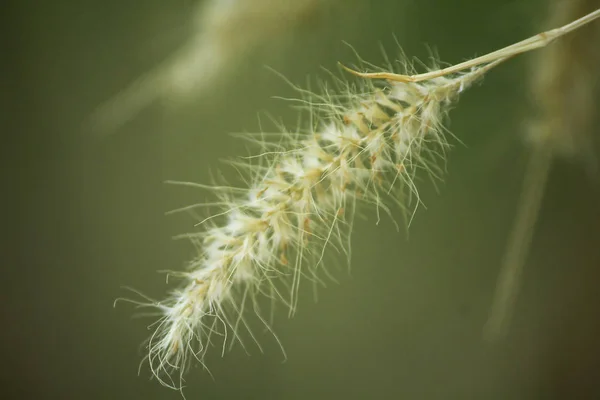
222 34
365 144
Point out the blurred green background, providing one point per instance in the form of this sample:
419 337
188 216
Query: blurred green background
405 323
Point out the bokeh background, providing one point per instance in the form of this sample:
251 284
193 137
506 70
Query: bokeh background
88 216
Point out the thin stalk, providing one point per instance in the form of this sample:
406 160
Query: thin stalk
519 242
535 42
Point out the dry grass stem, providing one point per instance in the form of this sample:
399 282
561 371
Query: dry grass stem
562 85
535 42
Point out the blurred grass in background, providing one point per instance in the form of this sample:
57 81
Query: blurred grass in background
407 321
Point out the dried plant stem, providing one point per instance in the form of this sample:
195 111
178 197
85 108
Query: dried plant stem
563 90
519 242
535 42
